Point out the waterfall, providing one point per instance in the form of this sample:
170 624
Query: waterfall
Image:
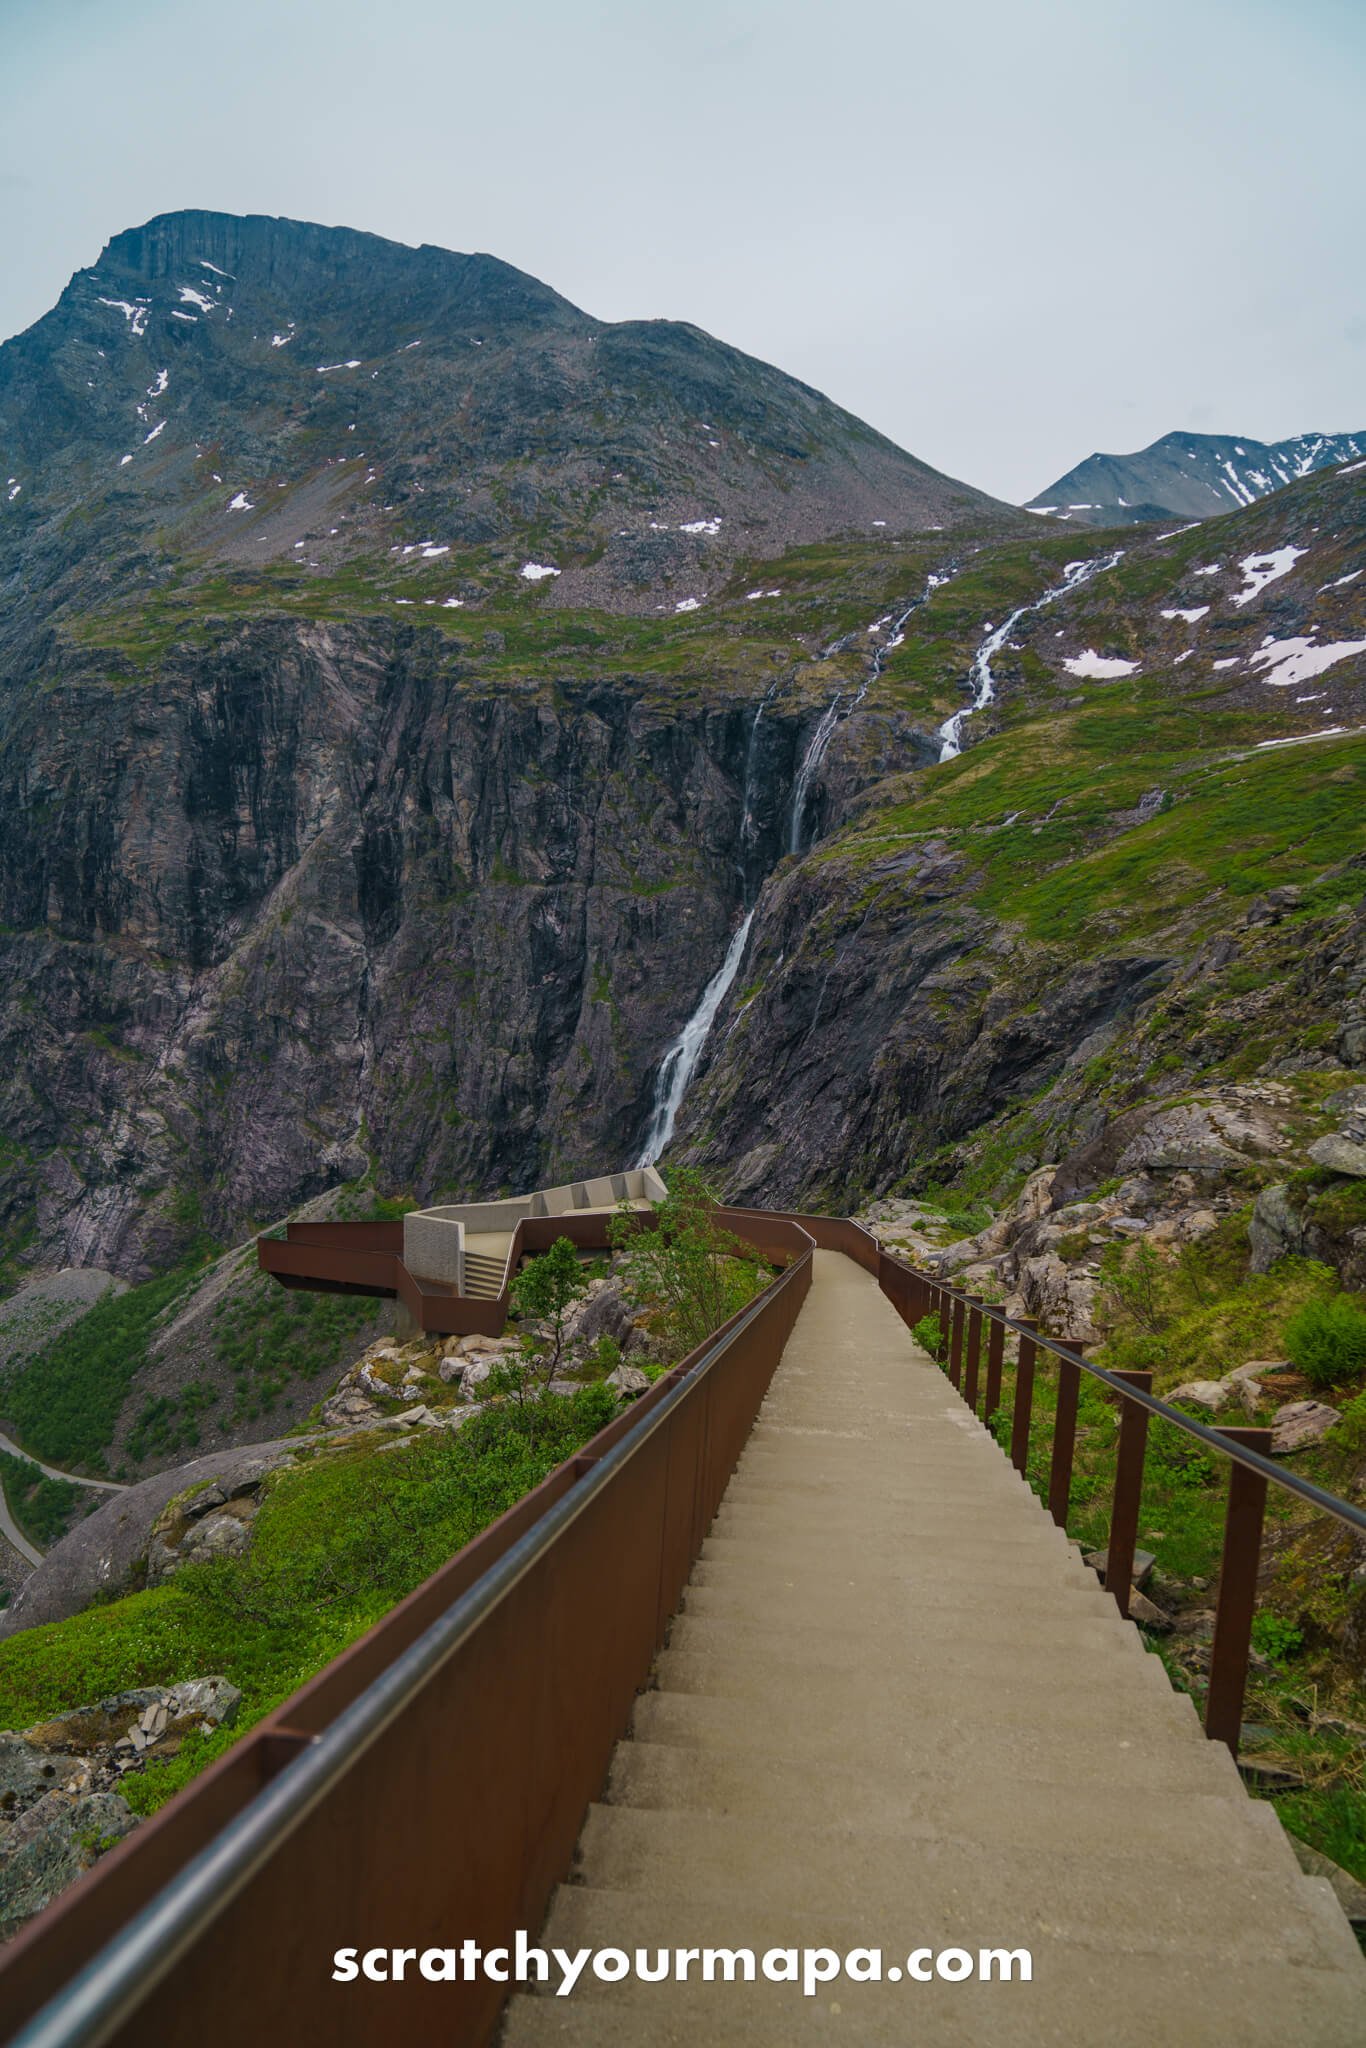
680 1061
749 830
981 681
811 761
830 718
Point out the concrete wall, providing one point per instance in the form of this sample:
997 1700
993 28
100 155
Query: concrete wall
434 1248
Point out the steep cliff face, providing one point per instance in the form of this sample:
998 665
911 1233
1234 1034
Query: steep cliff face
318 899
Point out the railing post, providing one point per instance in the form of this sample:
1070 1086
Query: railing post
1237 1592
1024 1397
956 1342
974 1350
996 1349
1064 1439
945 1307
1133 1441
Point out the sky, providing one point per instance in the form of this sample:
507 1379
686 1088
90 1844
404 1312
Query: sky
1005 232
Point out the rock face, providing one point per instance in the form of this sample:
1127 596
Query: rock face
58 1809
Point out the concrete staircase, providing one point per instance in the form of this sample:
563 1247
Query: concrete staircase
483 1275
897 1711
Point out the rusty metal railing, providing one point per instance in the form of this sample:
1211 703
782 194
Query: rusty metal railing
965 1319
429 1785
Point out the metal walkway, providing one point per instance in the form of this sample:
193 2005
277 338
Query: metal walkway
897 1711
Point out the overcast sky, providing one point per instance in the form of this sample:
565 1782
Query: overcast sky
1006 232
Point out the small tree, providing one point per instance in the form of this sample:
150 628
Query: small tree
684 1266
542 1296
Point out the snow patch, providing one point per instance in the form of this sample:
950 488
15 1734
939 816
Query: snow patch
536 572
688 604
159 428
241 503
1299 660
12 489
448 604
1259 570
323 368
190 297
1326 732
1097 667
135 313
205 264
701 526
1195 612
282 340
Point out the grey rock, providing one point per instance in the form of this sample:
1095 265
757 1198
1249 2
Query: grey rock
1341 1152
348 1408
1143 1564
204 1502
1210 1394
1276 1227
100 1553
49 1845
628 1381
1299 1423
1148 1614
1349 1892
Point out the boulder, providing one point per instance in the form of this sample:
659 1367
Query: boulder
1143 1564
1147 1613
1277 1227
1299 1423
47 1846
1209 1394
628 1381
1062 1300
349 1408
1341 1152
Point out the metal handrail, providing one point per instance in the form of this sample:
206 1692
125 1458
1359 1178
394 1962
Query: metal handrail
1240 1454
88 2010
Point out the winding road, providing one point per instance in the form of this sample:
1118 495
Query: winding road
9 1528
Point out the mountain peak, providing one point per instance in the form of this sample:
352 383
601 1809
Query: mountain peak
1188 476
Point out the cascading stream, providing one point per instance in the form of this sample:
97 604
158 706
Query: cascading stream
980 678
830 718
679 1063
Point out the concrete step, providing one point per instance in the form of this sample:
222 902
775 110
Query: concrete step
977 1602
950 1890
964 1565
888 1732
908 1639
1113 1681
994 1804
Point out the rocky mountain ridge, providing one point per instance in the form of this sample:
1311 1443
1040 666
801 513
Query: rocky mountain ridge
1188 476
250 393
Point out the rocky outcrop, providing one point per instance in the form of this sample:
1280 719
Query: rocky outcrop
105 1554
60 1809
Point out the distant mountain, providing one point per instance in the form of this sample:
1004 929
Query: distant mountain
1188 476
252 391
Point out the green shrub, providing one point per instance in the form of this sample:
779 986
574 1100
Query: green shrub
693 1274
64 1400
1275 1637
1326 1340
929 1336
